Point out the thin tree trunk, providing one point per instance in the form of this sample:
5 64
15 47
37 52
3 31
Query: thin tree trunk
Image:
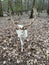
1 11
48 8
21 8
31 16
10 6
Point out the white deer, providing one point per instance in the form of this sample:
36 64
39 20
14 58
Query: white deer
22 34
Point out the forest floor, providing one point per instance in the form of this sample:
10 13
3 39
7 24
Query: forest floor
36 45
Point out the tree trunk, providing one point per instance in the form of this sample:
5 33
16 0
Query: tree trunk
1 11
21 8
10 6
31 16
48 8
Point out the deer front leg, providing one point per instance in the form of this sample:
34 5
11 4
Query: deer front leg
21 44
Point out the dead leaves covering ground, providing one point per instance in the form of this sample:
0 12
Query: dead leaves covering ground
36 46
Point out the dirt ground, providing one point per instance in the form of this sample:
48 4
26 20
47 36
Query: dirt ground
36 45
